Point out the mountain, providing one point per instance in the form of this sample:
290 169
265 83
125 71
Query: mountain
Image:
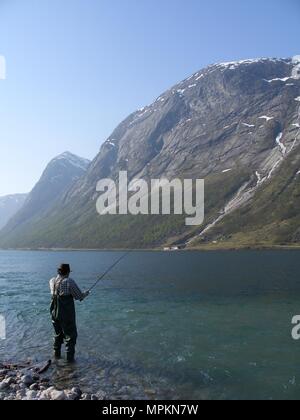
9 206
237 125
58 177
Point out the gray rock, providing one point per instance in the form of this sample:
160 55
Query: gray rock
73 394
44 396
57 395
9 380
3 372
31 395
20 395
3 385
46 393
27 380
77 390
50 389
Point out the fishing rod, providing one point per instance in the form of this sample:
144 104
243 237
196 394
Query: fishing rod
108 270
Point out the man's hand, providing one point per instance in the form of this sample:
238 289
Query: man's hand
86 294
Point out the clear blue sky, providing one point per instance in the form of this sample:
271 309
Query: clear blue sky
76 68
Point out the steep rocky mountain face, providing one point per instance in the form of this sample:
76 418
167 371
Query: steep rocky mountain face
9 206
58 177
237 125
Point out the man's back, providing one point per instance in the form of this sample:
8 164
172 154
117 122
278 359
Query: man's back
65 286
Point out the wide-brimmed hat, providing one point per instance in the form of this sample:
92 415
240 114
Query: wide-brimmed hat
64 269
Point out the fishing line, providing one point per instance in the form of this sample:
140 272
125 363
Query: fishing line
109 270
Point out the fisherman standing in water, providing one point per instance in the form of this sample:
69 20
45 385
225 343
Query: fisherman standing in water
64 290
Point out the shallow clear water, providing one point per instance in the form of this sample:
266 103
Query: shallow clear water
164 325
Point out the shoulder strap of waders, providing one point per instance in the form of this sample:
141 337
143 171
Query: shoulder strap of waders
57 283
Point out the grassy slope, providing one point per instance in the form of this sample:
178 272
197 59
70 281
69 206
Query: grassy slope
272 218
80 226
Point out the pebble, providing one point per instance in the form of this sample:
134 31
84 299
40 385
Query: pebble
9 380
21 392
73 394
31 395
44 396
19 385
57 395
3 385
27 380
77 390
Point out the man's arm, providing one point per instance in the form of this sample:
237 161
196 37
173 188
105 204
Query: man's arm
76 292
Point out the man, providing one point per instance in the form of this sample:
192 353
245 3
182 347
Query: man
64 290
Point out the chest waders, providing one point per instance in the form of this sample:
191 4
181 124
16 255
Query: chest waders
64 322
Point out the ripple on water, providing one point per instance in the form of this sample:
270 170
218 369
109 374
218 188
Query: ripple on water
187 325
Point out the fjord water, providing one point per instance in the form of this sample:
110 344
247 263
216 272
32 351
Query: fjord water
187 325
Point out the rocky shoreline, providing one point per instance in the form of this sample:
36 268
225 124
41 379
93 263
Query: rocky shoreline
29 382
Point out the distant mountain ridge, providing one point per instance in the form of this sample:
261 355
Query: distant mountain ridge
9 206
235 124
62 172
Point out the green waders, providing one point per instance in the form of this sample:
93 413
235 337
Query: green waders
64 323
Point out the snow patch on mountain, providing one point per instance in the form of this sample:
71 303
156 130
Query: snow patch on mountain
265 117
199 77
110 143
260 179
296 59
233 65
280 144
295 74
248 125
284 79
296 69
